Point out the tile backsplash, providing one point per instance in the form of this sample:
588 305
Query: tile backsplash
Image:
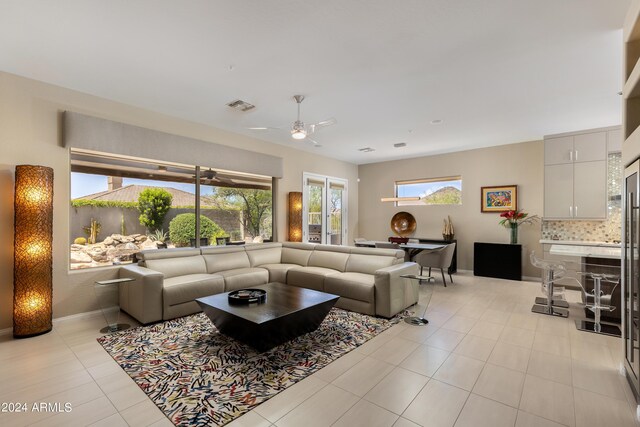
600 231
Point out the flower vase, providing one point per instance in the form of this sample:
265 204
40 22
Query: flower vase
514 233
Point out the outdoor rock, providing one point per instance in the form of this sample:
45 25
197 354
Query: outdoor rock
115 246
79 257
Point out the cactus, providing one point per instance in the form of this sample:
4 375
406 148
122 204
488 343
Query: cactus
92 231
123 227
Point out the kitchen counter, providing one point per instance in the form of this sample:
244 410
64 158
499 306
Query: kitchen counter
586 250
580 243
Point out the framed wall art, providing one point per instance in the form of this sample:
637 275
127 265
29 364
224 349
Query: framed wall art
499 199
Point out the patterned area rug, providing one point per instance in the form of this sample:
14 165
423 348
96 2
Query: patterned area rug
199 377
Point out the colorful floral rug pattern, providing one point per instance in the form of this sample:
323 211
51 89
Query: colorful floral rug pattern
199 377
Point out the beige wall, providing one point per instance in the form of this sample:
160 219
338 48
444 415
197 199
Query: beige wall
520 164
30 133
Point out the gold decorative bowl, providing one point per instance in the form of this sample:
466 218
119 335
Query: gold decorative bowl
403 224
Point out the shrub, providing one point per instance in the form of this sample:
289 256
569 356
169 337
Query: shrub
159 236
153 204
80 241
182 229
102 204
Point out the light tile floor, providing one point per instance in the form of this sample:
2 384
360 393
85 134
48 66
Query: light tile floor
484 360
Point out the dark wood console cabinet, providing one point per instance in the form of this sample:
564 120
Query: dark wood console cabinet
497 260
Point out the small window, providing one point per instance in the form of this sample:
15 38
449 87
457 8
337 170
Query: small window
431 191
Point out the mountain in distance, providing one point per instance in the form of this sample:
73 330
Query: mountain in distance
445 196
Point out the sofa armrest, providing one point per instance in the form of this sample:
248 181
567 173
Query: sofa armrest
394 293
142 298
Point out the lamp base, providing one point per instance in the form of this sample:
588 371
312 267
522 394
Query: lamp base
416 321
115 328
31 335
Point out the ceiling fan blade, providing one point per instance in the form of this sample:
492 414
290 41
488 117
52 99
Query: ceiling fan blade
313 127
267 128
327 122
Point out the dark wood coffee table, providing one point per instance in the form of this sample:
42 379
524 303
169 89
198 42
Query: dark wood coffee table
288 312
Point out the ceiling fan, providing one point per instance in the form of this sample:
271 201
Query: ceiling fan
210 177
298 129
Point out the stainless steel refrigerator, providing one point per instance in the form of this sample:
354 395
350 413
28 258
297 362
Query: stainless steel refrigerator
630 271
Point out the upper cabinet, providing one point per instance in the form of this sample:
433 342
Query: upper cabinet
614 141
631 88
575 173
558 151
587 147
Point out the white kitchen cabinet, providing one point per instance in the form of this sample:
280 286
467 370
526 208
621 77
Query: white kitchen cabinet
590 190
576 191
614 141
588 147
558 191
558 150
575 175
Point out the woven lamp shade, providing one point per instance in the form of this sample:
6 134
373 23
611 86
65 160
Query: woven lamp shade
32 259
295 216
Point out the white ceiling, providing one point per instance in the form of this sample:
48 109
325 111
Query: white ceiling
495 71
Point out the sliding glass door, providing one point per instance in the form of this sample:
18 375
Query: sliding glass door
325 209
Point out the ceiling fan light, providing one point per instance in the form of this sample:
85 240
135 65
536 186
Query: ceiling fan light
298 134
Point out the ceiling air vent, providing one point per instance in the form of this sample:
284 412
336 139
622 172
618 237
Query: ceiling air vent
366 149
241 105
400 144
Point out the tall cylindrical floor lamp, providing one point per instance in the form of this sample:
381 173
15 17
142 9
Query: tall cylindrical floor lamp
32 259
295 216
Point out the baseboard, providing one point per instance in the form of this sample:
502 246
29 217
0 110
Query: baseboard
9 331
78 316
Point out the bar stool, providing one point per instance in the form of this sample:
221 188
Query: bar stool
601 301
553 304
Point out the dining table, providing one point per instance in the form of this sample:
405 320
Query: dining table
412 249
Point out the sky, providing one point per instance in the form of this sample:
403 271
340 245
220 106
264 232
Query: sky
83 184
424 189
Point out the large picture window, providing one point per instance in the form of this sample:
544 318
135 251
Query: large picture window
122 206
430 191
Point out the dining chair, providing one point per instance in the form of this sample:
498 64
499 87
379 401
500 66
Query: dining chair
439 258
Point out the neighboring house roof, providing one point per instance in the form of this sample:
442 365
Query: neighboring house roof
130 193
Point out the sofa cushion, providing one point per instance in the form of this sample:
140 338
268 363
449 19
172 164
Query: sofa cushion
181 289
175 267
241 278
399 254
357 286
268 253
298 256
226 260
368 264
166 253
278 272
309 277
333 260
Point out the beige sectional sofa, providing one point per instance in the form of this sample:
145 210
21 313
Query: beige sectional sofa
169 280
